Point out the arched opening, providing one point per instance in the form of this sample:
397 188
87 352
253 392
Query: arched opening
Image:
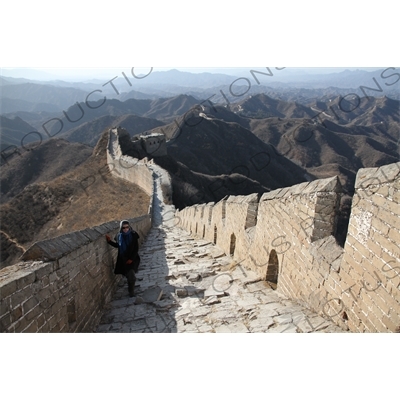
232 245
215 234
272 269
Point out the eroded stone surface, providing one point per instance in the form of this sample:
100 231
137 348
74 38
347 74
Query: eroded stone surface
221 299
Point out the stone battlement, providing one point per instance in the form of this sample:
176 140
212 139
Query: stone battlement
63 283
287 238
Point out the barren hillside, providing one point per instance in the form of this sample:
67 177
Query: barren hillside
86 196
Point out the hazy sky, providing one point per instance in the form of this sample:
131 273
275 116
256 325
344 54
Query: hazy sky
71 74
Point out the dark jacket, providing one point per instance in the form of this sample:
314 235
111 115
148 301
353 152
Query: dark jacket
131 253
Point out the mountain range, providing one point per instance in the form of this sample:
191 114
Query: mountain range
267 138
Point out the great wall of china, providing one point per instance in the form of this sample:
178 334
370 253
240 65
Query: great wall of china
285 237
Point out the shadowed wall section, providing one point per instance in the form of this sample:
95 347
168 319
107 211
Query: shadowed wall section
63 283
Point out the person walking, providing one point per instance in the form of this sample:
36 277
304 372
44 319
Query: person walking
127 264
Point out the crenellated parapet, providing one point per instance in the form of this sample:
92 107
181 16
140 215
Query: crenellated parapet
288 238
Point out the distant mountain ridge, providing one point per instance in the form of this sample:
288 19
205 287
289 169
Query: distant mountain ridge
48 161
34 96
263 106
88 133
156 109
47 94
13 131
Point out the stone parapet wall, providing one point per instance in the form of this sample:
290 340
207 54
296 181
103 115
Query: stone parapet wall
371 262
143 173
291 222
63 283
288 237
128 168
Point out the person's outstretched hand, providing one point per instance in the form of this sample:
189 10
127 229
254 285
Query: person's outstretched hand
108 238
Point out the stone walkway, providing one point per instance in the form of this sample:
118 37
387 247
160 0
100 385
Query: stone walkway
188 285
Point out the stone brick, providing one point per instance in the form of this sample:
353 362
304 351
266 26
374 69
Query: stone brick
29 304
346 279
356 310
359 247
370 328
370 280
391 301
8 289
352 291
388 260
16 313
26 280
40 320
46 270
380 303
391 325
377 323
369 301
356 271
21 325
5 306
388 244
358 257
18 298
374 247
390 217
5 322
381 226
383 202
394 194
394 235
354 324
31 328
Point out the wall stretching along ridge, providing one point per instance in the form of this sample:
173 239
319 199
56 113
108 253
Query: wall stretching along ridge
287 238
62 284
126 167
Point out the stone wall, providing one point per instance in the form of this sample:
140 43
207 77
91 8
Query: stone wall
63 283
371 262
288 239
128 168
143 173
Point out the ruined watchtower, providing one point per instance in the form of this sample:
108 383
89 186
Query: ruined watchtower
153 144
